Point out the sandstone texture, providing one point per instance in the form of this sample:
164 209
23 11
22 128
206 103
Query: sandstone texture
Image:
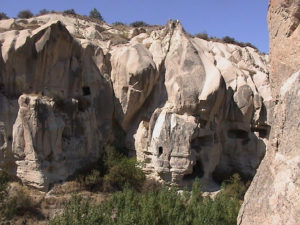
274 195
284 33
184 106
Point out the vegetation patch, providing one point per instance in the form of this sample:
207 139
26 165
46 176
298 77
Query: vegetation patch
226 39
157 206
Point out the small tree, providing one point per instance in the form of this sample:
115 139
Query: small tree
202 36
229 40
70 11
43 12
25 14
118 23
3 16
94 13
139 24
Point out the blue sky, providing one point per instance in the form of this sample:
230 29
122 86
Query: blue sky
245 20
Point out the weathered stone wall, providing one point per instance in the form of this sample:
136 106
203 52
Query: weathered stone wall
187 107
273 197
284 33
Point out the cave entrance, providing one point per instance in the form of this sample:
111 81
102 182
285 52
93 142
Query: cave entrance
160 151
239 134
198 171
86 91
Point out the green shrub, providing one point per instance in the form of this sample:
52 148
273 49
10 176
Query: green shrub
70 11
234 187
43 12
18 203
3 16
112 172
3 190
77 212
25 14
229 40
202 36
118 23
94 13
125 171
139 24
166 206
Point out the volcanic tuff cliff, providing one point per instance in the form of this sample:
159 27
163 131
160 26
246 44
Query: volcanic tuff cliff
185 106
274 195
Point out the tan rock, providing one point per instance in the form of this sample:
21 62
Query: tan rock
273 197
284 33
204 103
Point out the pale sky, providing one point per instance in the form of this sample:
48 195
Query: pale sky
245 20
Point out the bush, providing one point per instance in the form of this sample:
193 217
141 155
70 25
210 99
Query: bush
229 40
43 12
226 39
112 172
77 212
96 14
118 23
25 14
124 172
70 11
3 16
202 36
139 24
234 187
3 184
92 181
3 192
18 204
166 206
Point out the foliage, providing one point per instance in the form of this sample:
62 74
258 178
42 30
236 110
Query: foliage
3 184
17 204
202 36
70 11
126 171
234 187
25 14
94 13
113 171
155 207
118 23
3 16
139 24
3 191
43 12
226 39
77 212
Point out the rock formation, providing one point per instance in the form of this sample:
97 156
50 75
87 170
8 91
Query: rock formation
273 197
185 106
284 33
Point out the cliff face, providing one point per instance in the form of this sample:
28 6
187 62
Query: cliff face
284 33
183 105
273 197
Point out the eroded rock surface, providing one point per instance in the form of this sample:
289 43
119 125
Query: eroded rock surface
187 107
273 197
284 33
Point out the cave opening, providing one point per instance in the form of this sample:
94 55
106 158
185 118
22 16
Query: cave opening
198 171
86 91
237 133
160 151
263 132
